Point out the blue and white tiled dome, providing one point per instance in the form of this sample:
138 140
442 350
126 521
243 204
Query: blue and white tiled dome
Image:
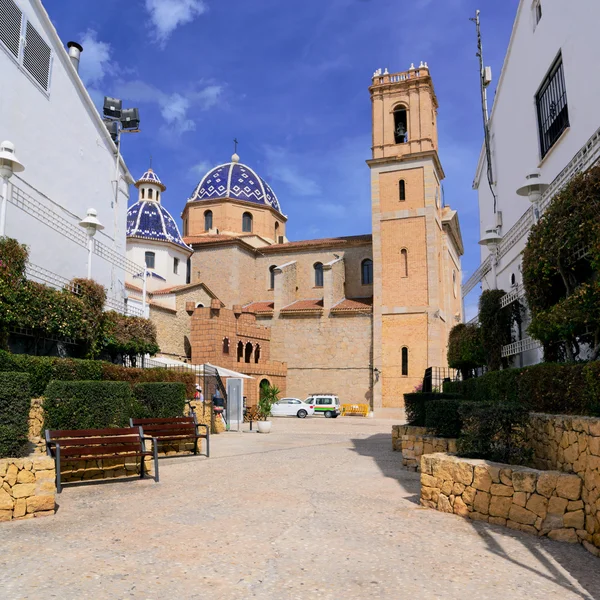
149 220
150 177
236 181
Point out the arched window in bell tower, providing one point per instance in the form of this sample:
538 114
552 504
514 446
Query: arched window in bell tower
402 190
143 193
404 262
208 220
400 125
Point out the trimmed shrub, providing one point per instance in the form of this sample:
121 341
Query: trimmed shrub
465 348
548 387
494 432
43 369
89 405
442 417
15 400
160 400
415 405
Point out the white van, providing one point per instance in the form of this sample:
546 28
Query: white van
325 404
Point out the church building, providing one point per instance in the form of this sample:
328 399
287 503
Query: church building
359 316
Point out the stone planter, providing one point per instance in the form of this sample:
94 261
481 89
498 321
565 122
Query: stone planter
543 503
27 487
413 442
263 426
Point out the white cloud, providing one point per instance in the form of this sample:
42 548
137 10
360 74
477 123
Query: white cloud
95 59
174 107
200 169
281 168
167 15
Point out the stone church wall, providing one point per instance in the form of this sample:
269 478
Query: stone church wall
325 354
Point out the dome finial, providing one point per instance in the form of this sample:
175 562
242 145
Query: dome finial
235 158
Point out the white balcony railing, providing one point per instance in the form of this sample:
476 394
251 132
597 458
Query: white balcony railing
521 346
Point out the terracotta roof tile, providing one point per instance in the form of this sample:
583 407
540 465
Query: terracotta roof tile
333 242
135 288
315 304
260 307
207 239
354 305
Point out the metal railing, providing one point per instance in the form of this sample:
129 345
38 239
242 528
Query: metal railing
477 276
521 346
517 292
48 216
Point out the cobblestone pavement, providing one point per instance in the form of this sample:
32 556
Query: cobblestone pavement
316 509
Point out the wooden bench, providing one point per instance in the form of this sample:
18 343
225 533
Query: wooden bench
177 429
361 410
94 444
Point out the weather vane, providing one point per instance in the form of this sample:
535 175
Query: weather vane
235 145
151 161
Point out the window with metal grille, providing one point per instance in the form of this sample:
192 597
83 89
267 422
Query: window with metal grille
10 26
552 108
36 56
150 259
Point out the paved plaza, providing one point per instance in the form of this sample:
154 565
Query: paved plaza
316 509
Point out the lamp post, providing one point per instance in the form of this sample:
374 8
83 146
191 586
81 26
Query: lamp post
9 164
491 240
533 188
91 224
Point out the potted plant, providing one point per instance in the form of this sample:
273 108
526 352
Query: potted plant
268 396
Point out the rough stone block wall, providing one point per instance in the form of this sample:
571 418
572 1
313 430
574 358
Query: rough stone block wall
325 354
27 487
413 442
543 503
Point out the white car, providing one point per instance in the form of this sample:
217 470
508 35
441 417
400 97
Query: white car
292 407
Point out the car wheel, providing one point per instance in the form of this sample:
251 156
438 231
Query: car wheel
302 414
328 414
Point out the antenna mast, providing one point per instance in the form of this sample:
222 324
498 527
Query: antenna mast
485 78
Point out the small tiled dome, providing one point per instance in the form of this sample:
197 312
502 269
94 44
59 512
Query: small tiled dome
150 177
149 220
236 181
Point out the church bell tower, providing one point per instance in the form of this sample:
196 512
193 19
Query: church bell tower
416 240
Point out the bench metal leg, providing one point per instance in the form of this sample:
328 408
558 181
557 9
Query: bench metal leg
207 444
155 449
57 466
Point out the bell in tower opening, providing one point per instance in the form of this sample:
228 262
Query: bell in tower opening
400 129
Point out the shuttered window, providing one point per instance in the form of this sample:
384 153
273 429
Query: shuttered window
36 56
10 26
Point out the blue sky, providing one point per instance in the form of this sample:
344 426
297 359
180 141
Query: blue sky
289 80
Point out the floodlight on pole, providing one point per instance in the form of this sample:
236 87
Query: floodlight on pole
9 164
491 240
533 188
91 224
119 120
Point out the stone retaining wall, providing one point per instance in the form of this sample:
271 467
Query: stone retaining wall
413 442
27 487
543 503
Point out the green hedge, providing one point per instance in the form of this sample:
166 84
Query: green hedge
160 400
15 400
442 417
44 369
547 387
493 431
415 405
89 405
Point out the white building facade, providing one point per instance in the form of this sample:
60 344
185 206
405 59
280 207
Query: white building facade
70 160
544 129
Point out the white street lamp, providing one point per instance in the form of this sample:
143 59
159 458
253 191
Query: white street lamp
491 240
91 225
9 164
533 188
